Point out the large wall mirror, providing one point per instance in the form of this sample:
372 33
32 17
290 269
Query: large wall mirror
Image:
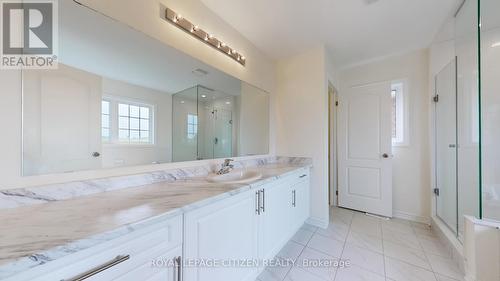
122 98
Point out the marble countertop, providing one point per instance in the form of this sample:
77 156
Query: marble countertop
36 234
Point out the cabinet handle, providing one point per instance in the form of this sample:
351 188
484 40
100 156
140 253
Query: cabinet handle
257 202
175 269
179 268
263 200
294 198
303 176
98 269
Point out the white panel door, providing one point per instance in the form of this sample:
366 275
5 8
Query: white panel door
66 104
365 149
222 232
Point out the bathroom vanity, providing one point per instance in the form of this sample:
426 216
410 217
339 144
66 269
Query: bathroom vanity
182 229
138 110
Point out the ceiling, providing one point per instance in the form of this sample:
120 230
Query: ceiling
92 42
352 30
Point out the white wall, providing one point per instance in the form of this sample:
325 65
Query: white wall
253 117
411 171
302 106
144 16
115 155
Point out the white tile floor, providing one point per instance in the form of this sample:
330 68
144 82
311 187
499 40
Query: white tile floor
377 249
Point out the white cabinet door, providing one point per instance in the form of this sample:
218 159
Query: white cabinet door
276 218
300 201
221 232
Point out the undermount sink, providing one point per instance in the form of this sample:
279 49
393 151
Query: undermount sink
235 176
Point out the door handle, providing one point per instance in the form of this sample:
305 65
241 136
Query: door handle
385 155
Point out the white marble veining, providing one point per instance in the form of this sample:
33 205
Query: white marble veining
86 215
13 198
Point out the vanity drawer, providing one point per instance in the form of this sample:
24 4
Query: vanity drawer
114 259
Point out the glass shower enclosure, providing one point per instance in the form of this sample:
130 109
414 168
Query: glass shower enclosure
467 120
202 124
489 53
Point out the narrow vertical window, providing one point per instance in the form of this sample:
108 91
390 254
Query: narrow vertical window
192 126
399 117
105 121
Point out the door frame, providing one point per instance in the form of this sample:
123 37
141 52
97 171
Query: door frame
332 146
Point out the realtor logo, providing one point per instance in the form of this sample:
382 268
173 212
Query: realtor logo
29 33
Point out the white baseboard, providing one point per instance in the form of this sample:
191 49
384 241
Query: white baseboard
411 217
317 222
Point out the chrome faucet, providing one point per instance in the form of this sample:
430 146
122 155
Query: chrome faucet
226 167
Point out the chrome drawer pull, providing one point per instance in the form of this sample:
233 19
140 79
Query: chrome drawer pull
294 202
101 268
263 207
257 202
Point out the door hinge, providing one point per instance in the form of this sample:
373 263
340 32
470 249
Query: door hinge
336 103
436 191
435 98
336 192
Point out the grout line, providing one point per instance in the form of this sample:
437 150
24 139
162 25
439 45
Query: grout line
304 247
383 254
345 243
425 254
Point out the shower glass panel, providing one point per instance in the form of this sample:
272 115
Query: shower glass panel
223 133
446 148
202 124
185 125
457 118
490 108
466 50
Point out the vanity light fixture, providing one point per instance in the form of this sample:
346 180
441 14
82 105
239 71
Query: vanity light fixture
194 30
